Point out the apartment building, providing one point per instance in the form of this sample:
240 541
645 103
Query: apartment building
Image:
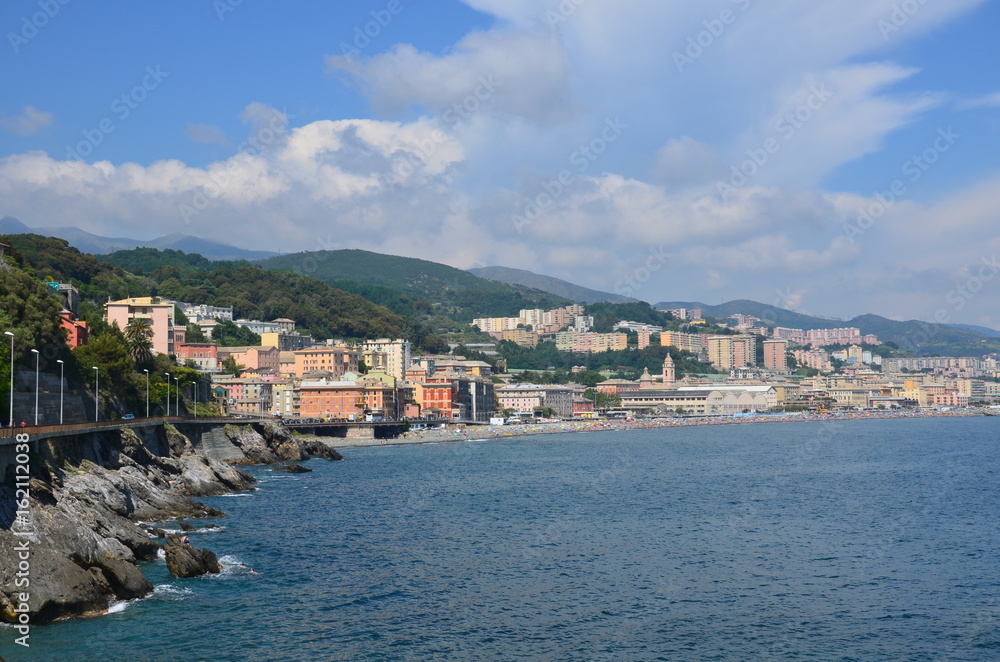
334 360
156 315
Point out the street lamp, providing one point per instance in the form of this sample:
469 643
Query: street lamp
62 369
195 384
97 391
168 392
8 333
177 398
147 391
38 357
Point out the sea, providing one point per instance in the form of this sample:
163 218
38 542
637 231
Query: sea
851 540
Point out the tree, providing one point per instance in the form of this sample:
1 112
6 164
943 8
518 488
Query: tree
138 341
231 367
602 401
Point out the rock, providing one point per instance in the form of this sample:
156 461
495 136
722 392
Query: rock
203 476
185 560
292 468
252 444
317 448
59 587
186 527
125 580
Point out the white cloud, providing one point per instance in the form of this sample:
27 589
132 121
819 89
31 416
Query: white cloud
29 122
986 101
508 72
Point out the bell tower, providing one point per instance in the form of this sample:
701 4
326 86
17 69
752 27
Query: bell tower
669 374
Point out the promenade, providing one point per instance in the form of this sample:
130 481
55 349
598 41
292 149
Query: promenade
466 433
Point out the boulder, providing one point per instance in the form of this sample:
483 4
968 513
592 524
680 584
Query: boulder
292 468
253 446
125 580
186 560
317 448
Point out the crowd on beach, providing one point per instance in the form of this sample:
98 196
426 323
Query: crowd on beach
467 432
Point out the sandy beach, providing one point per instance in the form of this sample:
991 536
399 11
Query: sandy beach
467 432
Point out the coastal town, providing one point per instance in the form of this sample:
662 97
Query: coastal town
759 369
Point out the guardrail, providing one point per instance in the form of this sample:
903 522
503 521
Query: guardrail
7 434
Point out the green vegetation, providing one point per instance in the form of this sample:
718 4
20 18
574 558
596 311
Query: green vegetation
30 310
228 334
627 362
602 401
411 286
606 315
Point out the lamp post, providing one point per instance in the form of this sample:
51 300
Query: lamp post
147 391
8 333
97 391
38 357
62 370
177 397
168 392
195 384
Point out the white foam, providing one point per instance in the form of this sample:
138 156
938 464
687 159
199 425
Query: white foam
118 607
172 592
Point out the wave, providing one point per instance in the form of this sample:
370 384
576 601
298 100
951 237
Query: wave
171 592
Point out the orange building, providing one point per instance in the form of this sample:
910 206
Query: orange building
77 332
335 360
340 399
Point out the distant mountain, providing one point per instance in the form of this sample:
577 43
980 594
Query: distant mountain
984 331
770 314
404 284
94 244
922 338
549 284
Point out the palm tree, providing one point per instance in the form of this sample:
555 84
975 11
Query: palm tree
138 340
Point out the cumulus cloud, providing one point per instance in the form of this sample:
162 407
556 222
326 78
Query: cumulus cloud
508 72
29 122
502 112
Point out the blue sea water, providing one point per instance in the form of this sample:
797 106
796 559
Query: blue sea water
859 540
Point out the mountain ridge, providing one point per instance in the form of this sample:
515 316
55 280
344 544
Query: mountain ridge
549 284
87 242
923 338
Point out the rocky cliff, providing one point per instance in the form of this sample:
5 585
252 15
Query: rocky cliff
88 498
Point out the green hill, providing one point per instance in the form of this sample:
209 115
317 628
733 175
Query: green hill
556 286
405 283
316 307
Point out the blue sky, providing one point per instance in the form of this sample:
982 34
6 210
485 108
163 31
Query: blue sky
445 136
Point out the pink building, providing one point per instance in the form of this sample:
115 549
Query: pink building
253 358
159 317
